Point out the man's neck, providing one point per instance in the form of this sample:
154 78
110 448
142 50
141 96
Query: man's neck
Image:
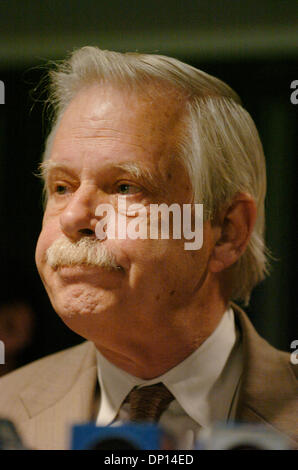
149 354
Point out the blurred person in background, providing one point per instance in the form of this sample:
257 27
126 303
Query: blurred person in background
17 316
16 332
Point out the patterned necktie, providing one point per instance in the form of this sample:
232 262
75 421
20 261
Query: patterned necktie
148 403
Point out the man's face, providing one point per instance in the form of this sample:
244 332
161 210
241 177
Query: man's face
103 132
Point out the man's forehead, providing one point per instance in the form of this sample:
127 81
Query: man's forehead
100 122
141 143
106 105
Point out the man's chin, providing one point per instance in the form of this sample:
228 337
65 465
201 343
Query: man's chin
91 317
81 299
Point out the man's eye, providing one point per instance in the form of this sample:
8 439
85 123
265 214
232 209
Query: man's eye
61 189
126 188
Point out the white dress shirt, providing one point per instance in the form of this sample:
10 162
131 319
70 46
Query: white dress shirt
204 385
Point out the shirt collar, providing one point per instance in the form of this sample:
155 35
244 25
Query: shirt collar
191 381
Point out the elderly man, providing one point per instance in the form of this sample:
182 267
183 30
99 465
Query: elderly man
145 130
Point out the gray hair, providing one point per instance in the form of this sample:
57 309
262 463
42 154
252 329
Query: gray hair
220 145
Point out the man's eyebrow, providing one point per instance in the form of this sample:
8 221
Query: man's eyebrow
47 166
135 170
142 174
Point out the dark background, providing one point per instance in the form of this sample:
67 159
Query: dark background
252 45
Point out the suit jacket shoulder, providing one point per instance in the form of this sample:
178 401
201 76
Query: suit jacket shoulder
269 390
43 398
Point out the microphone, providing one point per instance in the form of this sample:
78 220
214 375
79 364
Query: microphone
123 437
241 436
144 436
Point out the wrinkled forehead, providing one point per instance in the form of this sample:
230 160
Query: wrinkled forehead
141 126
155 109
108 115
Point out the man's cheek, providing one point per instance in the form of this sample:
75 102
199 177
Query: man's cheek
149 259
46 238
39 254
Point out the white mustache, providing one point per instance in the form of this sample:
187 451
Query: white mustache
87 251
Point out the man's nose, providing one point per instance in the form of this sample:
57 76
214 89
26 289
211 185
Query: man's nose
78 218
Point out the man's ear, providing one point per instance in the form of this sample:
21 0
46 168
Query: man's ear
232 231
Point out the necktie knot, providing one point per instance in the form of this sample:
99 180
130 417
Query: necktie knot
148 403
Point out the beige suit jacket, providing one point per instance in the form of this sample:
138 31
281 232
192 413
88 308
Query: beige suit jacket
45 398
